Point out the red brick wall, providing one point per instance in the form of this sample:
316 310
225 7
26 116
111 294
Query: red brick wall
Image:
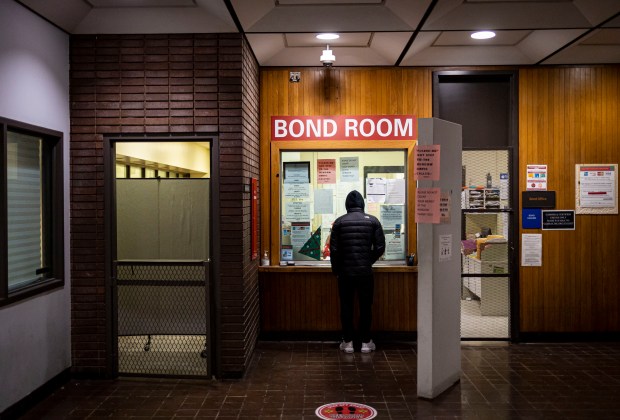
161 84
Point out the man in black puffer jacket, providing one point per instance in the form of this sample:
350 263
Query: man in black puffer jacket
356 243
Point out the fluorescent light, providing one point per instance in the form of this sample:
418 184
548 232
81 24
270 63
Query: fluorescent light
483 35
328 36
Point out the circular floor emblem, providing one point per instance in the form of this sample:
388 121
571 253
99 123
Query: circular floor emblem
345 410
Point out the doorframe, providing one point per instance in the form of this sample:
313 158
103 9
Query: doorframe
109 220
512 77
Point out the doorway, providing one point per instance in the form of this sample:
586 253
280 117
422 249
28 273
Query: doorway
161 257
484 103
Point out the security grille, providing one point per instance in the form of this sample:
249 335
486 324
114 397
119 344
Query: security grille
485 251
163 318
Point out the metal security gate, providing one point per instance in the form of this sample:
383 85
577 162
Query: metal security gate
487 244
163 318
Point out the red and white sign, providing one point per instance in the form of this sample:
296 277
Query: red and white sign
326 171
345 127
345 410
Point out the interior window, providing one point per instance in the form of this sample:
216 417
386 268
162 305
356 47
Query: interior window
314 186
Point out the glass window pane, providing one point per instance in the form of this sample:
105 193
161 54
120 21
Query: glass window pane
314 185
135 172
121 170
26 210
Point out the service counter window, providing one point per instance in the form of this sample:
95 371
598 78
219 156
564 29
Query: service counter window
313 188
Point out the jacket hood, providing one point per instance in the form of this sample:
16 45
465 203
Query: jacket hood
354 199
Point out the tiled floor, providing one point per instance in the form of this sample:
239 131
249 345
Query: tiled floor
290 380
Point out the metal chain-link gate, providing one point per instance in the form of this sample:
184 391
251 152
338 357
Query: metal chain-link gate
487 218
163 318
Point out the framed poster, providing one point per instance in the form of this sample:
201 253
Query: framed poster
596 188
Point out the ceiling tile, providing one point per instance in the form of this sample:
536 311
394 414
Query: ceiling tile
467 15
142 3
333 18
504 38
349 39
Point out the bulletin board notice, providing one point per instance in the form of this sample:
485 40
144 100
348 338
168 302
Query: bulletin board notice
596 188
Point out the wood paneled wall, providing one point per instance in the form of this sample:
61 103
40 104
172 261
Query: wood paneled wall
567 115
571 116
308 301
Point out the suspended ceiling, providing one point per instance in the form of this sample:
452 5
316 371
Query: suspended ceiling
372 32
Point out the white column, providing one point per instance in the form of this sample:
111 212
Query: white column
439 311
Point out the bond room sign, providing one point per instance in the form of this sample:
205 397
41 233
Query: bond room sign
345 127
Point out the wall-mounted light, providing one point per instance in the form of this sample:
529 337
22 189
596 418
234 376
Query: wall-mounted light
483 35
327 58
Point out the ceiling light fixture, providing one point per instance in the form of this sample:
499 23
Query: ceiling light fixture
327 58
327 36
483 35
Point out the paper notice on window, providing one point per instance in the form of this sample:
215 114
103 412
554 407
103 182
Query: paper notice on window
427 205
296 172
300 233
349 169
323 201
391 216
597 186
373 209
326 171
531 250
375 190
297 211
297 190
375 186
395 191
394 247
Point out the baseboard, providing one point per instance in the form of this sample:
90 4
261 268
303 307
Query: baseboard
35 397
567 337
385 336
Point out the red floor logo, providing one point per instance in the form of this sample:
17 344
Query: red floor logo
345 410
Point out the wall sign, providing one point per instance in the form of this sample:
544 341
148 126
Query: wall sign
531 249
596 189
536 178
426 162
345 127
538 199
531 218
558 219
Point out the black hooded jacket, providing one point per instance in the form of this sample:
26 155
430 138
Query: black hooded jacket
357 240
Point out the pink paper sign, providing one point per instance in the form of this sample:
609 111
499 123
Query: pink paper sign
326 171
427 205
426 162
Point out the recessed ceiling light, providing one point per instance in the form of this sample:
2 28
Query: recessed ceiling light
328 36
483 35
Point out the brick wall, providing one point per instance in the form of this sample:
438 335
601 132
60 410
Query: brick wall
161 84
239 161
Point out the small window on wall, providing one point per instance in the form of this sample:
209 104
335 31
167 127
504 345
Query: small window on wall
31 232
314 186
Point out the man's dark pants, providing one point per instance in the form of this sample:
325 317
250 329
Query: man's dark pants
347 286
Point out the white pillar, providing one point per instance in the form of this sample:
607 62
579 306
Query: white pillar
439 282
